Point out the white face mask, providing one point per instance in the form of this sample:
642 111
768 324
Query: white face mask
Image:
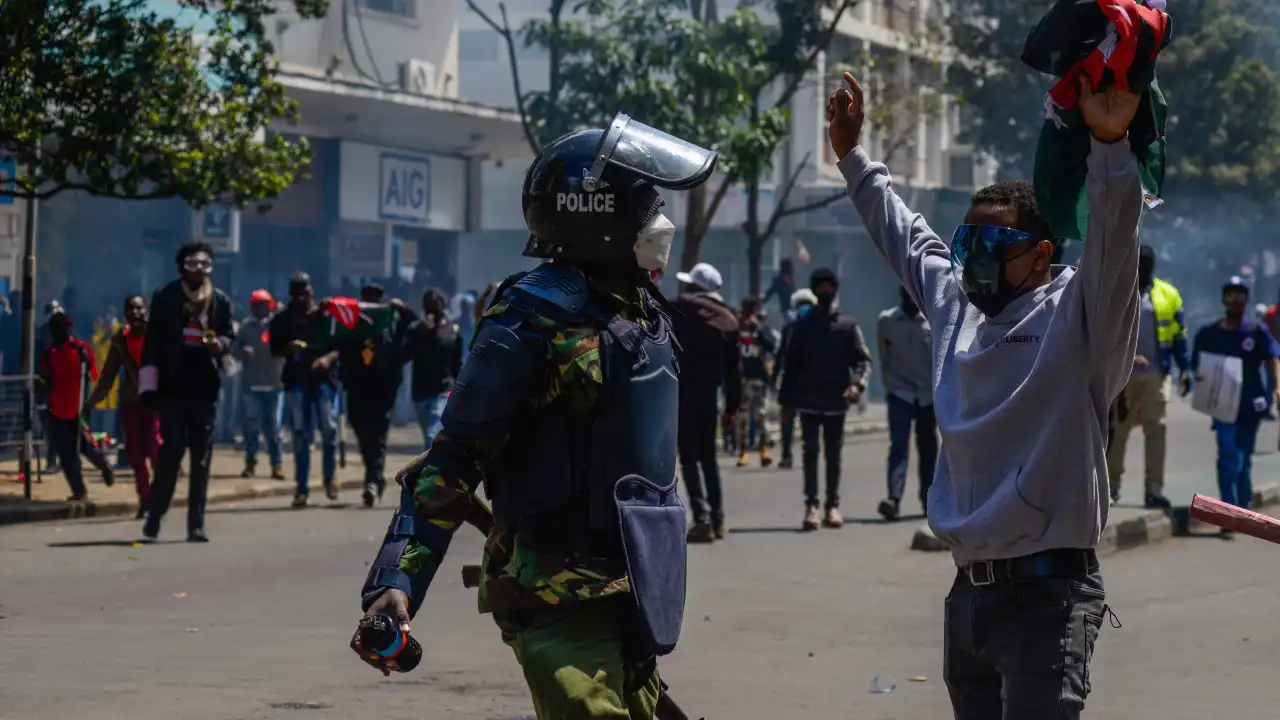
653 243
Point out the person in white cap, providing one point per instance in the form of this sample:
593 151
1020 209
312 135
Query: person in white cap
708 334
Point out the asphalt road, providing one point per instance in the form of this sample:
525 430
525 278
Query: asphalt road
255 625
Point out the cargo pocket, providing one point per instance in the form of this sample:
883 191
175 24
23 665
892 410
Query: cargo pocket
652 523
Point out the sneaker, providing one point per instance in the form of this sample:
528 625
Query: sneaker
721 530
1115 496
277 472
786 463
744 459
833 518
331 490
108 476
150 530
78 498
367 495
299 500
811 517
766 459
888 509
1156 502
142 512
197 536
249 471
701 533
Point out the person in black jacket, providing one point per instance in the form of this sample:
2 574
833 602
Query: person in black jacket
802 301
189 334
436 345
371 372
825 371
310 391
707 331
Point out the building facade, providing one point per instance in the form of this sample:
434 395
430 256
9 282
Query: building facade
393 187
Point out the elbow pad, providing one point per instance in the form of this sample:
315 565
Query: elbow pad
495 383
385 571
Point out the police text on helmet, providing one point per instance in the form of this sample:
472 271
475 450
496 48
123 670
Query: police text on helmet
584 202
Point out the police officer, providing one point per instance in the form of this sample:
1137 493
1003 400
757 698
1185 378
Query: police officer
564 412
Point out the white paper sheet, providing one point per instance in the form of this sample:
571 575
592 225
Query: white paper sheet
1217 392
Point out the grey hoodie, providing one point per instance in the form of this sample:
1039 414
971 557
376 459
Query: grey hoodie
1021 398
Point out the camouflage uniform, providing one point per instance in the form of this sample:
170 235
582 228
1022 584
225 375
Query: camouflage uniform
534 596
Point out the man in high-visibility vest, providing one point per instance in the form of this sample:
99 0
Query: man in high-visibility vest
1162 343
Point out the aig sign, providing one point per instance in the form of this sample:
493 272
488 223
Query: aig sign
404 188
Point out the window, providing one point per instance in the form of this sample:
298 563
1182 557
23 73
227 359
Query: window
403 8
960 167
897 15
479 46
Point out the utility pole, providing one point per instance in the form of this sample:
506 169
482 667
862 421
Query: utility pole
28 346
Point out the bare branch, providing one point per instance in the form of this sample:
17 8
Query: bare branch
816 204
780 204
709 211
509 36
794 84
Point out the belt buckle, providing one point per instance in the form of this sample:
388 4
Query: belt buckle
981 573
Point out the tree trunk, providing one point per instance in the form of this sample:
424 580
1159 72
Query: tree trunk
697 199
755 243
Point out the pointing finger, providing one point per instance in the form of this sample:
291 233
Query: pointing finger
854 87
843 101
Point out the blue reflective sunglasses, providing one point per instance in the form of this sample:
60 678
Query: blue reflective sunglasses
983 240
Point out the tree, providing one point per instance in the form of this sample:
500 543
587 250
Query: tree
899 102
679 66
106 97
1219 75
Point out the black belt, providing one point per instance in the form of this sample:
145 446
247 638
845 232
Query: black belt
1047 564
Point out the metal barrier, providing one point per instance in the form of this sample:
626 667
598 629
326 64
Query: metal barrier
13 401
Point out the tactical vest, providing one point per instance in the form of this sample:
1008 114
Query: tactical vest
604 484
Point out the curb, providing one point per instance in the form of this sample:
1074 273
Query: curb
71 511
1150 527
867 427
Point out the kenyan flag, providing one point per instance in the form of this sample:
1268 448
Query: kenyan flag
1113 43
350 319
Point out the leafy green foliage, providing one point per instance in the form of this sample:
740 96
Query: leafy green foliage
108 97
1219 75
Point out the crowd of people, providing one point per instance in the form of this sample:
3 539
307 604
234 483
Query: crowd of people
161 374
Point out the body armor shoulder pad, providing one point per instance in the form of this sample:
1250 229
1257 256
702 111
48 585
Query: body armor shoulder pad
557 288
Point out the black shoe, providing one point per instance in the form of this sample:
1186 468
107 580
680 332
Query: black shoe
1157 502
108 477
197 536
249 471
785 463
141 514
150 530
331 490
299 500
367 495
888 509
701 533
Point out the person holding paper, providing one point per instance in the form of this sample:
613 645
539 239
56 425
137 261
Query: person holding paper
1235 336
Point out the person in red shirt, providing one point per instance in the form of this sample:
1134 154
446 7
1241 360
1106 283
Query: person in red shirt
63 367
141 423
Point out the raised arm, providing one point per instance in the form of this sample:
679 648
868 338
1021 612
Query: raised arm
1106 283
916 255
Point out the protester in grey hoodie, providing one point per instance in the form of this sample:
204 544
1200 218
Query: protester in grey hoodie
260 382
1027 357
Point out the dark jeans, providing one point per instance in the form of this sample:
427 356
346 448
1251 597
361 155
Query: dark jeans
370 416
185 424
831 429
901 415
787 421
1020 650
696 442
68 438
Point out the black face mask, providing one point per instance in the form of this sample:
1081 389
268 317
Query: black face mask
825 300
985 285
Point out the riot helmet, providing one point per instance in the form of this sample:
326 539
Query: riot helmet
592 195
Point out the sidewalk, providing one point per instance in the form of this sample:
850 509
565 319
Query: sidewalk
48 498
